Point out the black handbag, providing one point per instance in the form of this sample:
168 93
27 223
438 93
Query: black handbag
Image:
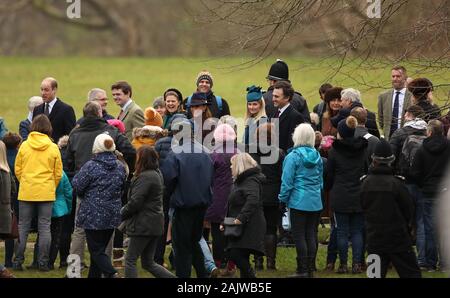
232 229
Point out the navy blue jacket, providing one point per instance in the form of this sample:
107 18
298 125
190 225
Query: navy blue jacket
188 176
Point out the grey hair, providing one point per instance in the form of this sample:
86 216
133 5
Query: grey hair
352 94
93 93
34 102
304 135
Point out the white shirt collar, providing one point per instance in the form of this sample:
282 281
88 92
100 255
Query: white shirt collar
51 105
125 106
284 108
402 91
30 116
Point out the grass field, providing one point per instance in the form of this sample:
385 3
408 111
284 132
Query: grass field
285 264
21 78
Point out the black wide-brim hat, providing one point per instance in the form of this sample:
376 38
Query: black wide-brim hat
199 99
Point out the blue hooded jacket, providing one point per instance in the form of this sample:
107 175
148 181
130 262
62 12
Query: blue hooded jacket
302 179
188 177
63 202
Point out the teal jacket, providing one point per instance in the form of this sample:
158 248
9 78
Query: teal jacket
302 179
63 203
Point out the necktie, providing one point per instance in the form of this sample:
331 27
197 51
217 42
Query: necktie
277 114
395 116
120 115
46 110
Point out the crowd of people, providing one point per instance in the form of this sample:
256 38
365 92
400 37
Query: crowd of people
176 173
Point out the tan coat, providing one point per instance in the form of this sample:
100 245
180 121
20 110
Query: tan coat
133 117
385 110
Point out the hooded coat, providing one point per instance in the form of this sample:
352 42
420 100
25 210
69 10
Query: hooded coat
245 204
222 182
188 173
430 165
346 164
63 202
414 127
388 211
38 168
99 185
302 180
272 169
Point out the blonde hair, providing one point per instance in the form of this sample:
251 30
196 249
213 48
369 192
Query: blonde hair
3 161
304 135
242 162
261 113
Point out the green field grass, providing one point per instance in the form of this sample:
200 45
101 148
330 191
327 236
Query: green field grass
21 78
286 265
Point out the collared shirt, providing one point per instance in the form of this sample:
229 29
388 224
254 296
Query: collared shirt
283 109
401 100
50 105
30 116
125 106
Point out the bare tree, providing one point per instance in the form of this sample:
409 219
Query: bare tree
413 30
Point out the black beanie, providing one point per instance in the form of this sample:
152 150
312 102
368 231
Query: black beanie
383 152
346 127
279 71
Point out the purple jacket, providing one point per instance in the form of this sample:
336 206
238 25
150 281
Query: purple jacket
222 182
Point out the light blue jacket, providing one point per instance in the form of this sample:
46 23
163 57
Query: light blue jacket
63 203
302 179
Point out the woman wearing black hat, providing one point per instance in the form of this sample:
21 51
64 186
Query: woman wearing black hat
172 100
202 118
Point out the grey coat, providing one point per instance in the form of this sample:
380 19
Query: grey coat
7 186
144 211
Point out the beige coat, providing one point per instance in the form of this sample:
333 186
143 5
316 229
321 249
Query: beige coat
133 117
385 110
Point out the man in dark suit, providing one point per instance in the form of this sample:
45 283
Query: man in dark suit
288 117
61 115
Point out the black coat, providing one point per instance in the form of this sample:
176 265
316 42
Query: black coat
298 102
245 204
144 210
288 121
272 171
397 140
347 163
62 118
371 123
430 165
431 111
163 146
388 211
81 140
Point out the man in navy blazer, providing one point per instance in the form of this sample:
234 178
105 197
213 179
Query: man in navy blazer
61 115
288 117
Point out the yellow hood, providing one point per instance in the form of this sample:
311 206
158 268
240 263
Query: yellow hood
39 141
